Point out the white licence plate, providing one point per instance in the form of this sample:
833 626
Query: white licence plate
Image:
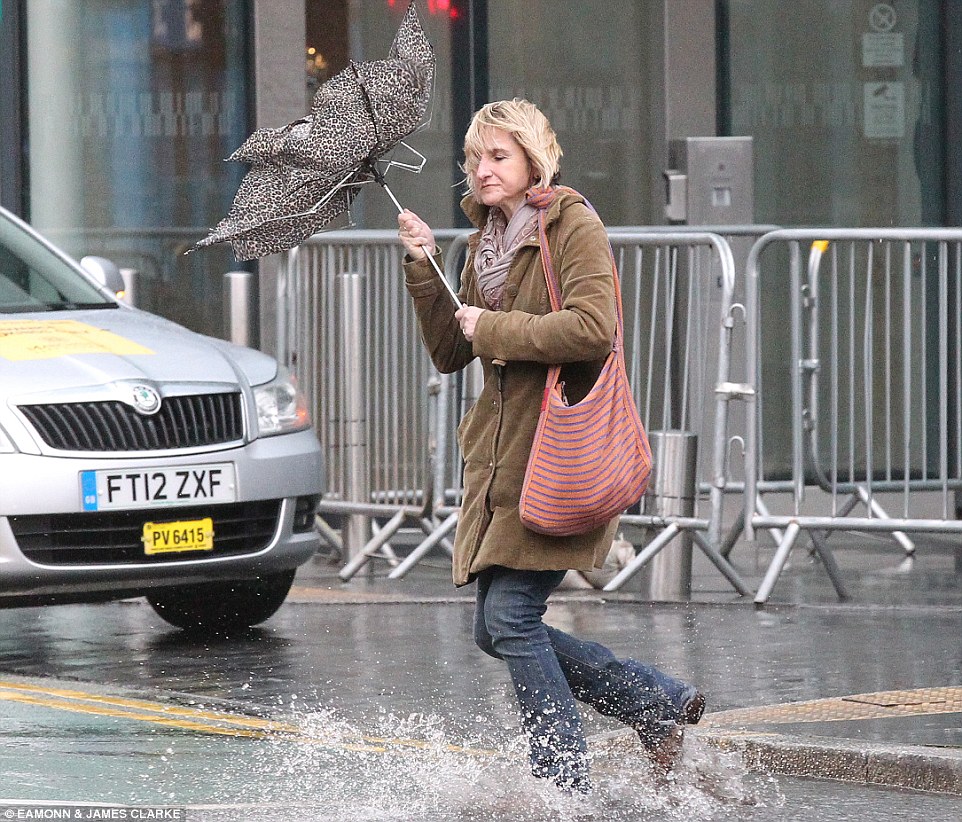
157 487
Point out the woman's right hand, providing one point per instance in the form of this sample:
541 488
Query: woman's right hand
467 317
415 235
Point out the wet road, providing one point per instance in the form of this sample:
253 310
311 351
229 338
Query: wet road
384 710
71 742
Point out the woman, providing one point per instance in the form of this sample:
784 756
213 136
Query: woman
511 162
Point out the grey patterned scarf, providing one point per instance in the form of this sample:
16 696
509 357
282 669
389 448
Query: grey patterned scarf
500 239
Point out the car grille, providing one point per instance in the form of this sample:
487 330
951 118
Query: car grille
114 537
181 422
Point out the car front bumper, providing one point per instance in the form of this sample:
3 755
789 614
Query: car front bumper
64 552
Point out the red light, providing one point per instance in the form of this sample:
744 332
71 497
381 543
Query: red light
436 7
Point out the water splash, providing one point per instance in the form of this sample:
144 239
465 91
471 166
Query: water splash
412 768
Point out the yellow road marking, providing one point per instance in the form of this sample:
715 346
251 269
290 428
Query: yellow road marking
200 720
76 707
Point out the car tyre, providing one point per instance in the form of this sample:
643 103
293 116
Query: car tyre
217 607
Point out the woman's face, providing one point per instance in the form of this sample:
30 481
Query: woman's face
503 173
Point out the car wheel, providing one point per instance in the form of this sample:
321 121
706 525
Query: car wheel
222 606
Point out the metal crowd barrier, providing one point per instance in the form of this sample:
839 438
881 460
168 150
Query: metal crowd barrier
348 332
680 324
857 395
740 239
677 291
456 393
872 350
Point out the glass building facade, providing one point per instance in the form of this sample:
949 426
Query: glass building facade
847 109
116 115
130 108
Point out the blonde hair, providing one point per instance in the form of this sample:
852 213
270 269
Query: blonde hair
525 122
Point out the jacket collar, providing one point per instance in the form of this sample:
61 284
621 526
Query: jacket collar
477 212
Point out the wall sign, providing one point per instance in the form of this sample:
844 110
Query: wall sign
884 110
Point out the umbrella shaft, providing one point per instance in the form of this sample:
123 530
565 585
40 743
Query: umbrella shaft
379 178
390 194
444 280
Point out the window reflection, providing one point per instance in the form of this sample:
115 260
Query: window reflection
588 72
132 107
846 112
343 30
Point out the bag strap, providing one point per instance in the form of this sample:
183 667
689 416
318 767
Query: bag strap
541 198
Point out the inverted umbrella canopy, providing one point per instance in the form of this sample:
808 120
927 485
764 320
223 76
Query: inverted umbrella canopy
306 173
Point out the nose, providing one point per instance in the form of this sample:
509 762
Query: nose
484 169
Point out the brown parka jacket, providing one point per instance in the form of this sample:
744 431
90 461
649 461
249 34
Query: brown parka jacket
495 435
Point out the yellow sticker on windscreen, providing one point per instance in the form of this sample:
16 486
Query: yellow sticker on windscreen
47 339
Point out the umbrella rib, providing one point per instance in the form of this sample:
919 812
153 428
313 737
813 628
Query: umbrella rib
414 168
367 104
343 183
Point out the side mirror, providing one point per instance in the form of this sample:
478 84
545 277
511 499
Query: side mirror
105 272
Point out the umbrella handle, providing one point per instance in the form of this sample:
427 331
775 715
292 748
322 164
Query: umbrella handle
379 179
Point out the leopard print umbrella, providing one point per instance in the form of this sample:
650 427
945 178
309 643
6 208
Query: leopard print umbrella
306 173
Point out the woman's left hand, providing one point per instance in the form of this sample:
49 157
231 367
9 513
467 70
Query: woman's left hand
467 316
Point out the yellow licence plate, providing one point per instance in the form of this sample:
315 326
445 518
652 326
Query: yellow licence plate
188 535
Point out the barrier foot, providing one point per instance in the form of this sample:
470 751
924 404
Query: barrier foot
418 553
372 547
736 531
762 509
777 564
428 526
899 536
843 511
723 565
649 551
831 566
328 534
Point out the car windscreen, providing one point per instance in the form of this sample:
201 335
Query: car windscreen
33 277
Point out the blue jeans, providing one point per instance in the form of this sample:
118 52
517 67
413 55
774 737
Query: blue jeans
550 669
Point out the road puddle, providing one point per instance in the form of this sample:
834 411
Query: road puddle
412 769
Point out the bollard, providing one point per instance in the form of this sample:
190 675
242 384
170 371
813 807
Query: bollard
958 547
130 277
237 306
473 382
352 409
671 492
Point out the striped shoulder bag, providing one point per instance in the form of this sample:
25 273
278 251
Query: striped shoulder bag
589 461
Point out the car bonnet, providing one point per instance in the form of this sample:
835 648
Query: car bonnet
45 354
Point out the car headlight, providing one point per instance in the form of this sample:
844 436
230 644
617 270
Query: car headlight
281 407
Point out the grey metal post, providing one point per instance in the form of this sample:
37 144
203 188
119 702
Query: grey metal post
353 423
237 306
130 277
672 493
958 548
473 382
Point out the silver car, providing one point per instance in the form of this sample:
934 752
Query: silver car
140 458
